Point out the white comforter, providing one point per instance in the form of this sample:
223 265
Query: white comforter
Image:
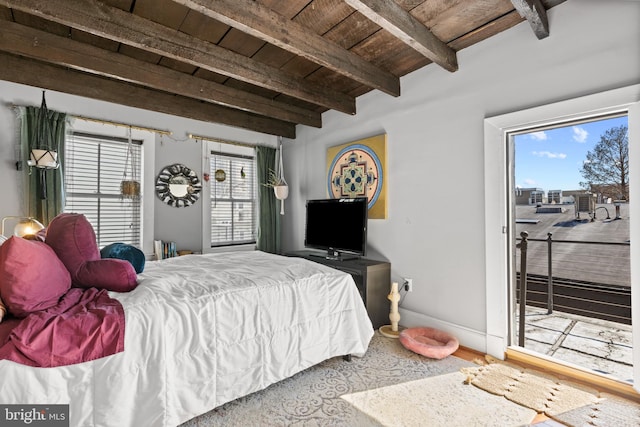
202 330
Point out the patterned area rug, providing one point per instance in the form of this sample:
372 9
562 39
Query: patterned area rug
569 403
389 386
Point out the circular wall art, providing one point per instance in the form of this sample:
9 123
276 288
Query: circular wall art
356 171
178 186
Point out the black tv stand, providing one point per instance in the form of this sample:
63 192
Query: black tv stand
372 278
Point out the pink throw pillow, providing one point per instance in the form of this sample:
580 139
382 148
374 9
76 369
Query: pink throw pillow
32 278
72 238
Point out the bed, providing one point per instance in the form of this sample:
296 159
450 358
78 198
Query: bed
202 330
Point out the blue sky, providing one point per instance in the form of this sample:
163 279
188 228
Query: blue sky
552 159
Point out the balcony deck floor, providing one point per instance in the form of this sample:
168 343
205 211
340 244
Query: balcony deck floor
598 345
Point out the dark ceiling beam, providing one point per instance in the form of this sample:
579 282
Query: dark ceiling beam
112 23
534 12
401 24
252 18
26 41
38 74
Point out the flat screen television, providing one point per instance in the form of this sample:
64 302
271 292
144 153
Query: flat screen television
337 226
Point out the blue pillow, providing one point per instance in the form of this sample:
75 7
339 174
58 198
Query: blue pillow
126 252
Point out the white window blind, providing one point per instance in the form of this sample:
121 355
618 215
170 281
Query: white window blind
233 199
94 169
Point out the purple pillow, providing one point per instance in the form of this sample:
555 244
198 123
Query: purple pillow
72 238
111 274
32 278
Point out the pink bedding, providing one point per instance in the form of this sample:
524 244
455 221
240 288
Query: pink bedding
86 324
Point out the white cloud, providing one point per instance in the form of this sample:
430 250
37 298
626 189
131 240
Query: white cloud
530 182
549 154
579 134
539 136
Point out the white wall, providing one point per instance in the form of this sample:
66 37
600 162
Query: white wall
435 231
182 225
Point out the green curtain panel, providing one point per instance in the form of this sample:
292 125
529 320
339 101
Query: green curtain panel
269 216
42 209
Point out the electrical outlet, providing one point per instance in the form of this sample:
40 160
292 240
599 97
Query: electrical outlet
408 284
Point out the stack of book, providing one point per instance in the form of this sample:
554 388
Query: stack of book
164 250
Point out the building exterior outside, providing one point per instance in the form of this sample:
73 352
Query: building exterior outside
529 196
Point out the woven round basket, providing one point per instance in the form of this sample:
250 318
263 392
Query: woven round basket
130 188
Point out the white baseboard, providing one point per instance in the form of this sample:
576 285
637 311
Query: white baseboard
470 338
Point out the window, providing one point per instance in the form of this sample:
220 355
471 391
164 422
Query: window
94 168
233 199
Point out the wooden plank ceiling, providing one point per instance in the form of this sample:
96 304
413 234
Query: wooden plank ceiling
263 65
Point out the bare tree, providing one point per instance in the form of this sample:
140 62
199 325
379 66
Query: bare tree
607 166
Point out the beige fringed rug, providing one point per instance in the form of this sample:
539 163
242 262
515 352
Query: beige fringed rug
569 403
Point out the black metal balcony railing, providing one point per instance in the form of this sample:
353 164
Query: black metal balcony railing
607 301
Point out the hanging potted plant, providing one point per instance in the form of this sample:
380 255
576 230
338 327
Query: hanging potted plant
279 185
277 181
281 190
129 188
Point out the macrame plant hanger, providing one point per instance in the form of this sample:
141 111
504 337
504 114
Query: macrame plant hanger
43 154
281 189
129 188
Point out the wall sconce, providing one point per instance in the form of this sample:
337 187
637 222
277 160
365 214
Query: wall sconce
25 226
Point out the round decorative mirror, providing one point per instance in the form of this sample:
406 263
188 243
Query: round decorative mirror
178 186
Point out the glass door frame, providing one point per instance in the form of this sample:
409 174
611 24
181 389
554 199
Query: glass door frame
499 239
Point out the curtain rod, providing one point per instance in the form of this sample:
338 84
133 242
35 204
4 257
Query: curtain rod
222 141
108 122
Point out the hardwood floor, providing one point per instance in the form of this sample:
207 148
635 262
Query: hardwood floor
468 354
